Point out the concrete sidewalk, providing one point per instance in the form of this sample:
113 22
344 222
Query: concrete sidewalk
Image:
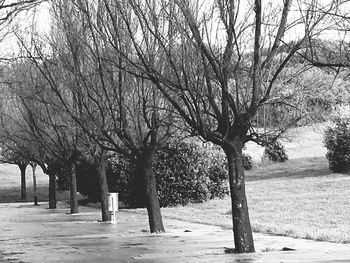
37 234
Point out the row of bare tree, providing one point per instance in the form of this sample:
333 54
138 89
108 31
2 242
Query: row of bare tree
126 76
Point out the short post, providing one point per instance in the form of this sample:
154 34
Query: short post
113 206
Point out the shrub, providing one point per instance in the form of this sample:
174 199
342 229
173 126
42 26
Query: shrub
337 142
61 171
275 152
87 179
185 173
247 161
122 178
218 174
180 177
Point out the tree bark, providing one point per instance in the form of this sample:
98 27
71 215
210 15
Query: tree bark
242 231
152 203
74 208
34 185
106 216
23 167
52 191
52 185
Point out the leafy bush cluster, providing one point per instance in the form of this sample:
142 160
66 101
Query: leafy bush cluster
62 173
185 173
337 142
275 152
122 178
247 161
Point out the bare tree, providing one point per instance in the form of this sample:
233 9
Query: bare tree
9 9
42 123
122 113
218 62
215 62
10 150
10 154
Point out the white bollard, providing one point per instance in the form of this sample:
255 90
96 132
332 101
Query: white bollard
113 206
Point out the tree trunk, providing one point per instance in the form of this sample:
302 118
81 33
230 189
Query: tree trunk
243 236
74 208
34 185
106 216
23 167
52 185
152 203
52 191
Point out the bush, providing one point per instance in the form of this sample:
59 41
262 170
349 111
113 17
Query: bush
61 171
247 161
122 179
275 152
180 177
87 179
218 174
337 142
185 173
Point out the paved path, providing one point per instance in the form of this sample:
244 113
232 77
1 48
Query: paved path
37 234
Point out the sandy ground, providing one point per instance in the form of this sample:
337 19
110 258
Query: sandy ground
37 234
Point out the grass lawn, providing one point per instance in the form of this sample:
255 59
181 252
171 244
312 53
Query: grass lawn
10 184
308 207
298 198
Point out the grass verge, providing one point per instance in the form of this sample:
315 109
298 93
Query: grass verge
315 208
10 185
298 198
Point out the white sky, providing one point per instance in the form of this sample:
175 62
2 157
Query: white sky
9 46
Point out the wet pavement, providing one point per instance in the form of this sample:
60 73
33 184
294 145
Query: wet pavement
36 234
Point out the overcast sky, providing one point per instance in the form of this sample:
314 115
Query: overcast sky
9 46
